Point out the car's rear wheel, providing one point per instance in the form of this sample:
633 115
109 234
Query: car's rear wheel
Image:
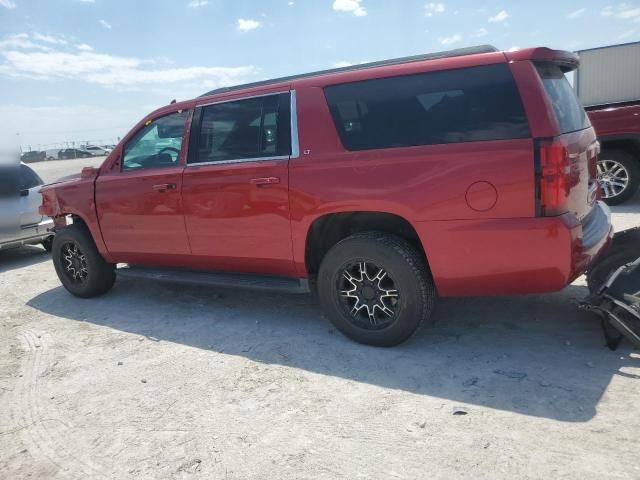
376 288
618 176
79 265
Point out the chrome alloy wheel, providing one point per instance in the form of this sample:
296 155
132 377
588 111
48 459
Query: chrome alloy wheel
613 178
75 263
369 295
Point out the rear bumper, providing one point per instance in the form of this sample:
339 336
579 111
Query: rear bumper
512 256
592 237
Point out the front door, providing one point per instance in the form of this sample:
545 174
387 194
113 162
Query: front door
235 186
139 204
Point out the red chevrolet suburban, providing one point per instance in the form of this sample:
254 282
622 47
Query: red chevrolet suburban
379 186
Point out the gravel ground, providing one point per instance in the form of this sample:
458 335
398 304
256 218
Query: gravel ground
161 381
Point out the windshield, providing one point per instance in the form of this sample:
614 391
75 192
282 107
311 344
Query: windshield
568 109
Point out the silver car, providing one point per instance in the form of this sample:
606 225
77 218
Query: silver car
20 220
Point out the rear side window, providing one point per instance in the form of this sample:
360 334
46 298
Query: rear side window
463 105
568 109
29 178
243 129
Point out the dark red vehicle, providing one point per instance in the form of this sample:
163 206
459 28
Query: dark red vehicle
381 186
618 130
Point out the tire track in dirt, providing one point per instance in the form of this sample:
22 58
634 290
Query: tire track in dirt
45 434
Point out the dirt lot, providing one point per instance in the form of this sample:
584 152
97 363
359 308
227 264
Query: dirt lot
160 381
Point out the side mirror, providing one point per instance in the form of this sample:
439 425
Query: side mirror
89 172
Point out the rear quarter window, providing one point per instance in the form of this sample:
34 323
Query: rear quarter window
462 105
566 105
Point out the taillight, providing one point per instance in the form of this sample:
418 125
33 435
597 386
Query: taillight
554 177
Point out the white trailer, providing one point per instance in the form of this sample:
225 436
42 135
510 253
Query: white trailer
609 74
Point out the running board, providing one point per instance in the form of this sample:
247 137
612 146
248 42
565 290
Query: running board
214 279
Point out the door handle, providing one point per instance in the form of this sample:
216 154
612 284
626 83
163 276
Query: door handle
163 187
265 181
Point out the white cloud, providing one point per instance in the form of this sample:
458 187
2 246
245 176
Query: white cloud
81 63
21 41
351 6
577 13
247 24
105 24
622 11
501 16
50 39
455 38
431 9
197 3
481 32
341 64
291 3
8 4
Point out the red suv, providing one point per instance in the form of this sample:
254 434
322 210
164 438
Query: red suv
380 186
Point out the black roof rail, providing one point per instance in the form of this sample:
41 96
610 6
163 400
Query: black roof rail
362 66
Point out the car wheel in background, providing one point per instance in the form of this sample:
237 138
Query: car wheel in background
618 176
79 265
48 244
376 288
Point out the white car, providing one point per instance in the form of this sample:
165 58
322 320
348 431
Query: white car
96 151
20 221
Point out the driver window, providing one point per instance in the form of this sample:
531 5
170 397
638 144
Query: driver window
157 144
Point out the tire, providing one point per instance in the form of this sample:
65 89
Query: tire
631 167
624 248
406 273
48 244
90 275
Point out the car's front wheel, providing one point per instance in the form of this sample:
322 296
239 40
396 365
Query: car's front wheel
376 288
79 265
618 176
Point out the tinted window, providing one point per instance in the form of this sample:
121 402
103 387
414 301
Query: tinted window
29 178
252 128
479 103
157 144
569 111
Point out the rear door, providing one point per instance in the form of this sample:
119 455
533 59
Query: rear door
578 140
235 185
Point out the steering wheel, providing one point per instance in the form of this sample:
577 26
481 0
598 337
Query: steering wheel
169 148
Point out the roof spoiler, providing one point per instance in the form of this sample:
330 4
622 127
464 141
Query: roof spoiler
567 61
362 66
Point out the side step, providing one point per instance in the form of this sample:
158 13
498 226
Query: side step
214 279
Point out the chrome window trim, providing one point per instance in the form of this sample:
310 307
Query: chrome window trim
238 160
295 145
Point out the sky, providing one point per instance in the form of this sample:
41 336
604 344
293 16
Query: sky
88 70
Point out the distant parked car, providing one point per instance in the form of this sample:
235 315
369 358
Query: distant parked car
68 153
97 151
51 154
33 156
31 227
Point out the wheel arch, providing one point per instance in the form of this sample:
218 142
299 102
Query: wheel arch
327 230
629 143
